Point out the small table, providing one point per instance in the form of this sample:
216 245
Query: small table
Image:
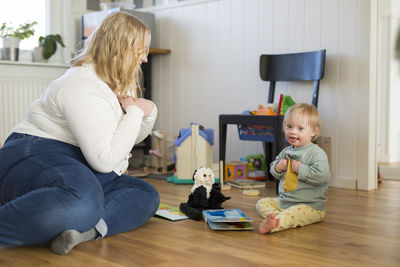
271 149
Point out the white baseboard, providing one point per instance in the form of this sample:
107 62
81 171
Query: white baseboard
344 183
390 172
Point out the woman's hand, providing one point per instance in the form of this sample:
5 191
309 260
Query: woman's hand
281 165
145 105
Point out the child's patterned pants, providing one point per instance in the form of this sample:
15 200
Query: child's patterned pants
298 215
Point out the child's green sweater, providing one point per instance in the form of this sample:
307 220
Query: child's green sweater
313 177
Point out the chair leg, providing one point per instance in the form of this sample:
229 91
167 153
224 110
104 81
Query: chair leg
268 149
222 148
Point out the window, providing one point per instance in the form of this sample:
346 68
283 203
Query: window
20 11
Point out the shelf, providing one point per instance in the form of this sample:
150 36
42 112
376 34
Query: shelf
35 64
155 51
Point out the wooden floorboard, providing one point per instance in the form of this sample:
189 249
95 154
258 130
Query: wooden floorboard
361 229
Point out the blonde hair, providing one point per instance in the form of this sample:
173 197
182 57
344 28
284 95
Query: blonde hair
116 48
309 112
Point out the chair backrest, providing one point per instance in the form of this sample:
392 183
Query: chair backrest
307 66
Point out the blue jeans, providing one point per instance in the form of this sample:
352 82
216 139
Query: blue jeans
47 187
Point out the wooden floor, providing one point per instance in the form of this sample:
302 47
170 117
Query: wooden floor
361 229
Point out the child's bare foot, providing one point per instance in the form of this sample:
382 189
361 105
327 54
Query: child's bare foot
271 222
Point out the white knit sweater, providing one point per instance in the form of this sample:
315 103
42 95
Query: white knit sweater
80 109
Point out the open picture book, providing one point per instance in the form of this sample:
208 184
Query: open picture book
170 212
227 219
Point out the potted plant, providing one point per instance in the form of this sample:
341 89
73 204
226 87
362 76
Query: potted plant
47 47
12 36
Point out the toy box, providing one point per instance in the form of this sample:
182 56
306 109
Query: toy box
254 133
264 133
235 170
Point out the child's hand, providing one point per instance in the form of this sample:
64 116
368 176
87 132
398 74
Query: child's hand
281 165
296 166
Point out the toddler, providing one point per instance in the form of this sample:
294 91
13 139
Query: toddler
303 173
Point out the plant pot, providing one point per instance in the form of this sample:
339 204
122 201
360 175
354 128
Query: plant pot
37 54
10 50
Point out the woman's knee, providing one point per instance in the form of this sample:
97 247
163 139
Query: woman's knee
77 196
147 191
82 210
153 199
129 207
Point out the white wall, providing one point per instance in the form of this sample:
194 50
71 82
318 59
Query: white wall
65 18
213 69
388 148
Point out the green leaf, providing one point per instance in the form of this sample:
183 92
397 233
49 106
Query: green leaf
23 31
59 40
49 48
49 44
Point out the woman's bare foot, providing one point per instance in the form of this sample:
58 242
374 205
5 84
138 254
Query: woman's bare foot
270 222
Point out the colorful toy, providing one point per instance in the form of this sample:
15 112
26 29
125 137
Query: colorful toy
251 192
291 178
256 162
222 184
202 195
285 102
235 170
193 149
256 167
269 110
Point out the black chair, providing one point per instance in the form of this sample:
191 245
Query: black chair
308 66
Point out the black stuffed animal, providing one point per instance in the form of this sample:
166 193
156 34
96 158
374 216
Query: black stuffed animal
203 196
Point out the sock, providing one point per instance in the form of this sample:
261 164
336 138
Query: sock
68 239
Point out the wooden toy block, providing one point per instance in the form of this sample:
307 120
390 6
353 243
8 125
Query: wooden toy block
235 170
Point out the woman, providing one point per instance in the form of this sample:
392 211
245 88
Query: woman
62 169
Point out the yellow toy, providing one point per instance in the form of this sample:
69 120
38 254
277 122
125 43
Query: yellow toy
251 192
291 179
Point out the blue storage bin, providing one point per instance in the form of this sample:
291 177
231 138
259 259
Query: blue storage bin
262 133
256 133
